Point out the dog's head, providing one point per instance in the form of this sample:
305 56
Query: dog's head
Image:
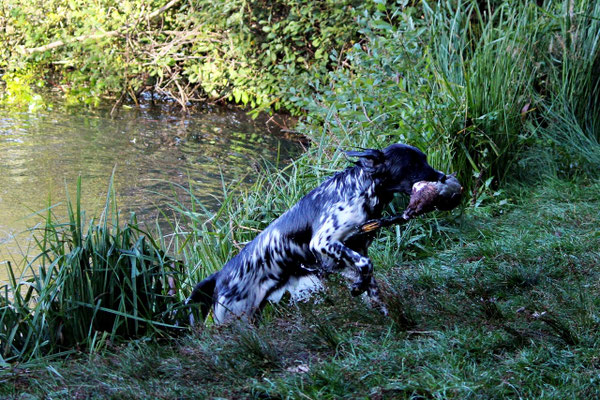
398 167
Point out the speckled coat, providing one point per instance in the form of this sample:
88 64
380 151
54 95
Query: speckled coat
316 235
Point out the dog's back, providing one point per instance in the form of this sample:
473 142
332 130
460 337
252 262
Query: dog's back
298 242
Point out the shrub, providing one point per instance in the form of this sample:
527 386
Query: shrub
247 52
475 85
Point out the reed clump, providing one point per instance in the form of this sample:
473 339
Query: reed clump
91 281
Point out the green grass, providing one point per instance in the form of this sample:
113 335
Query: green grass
505 305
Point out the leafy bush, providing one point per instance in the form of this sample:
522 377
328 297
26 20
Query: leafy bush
475 85
248 52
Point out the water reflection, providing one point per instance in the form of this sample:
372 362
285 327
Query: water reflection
41 154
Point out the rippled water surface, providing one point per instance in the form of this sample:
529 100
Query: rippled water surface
41 154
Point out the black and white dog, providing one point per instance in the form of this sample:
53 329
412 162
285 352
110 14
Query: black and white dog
316 235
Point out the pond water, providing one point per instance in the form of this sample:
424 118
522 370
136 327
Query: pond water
43 153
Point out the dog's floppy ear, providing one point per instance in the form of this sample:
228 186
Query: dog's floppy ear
368 158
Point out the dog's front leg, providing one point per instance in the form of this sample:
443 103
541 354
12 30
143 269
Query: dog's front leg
323 246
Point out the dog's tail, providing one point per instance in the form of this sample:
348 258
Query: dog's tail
203 293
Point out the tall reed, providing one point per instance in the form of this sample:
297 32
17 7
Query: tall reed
90 281
571 108
486 58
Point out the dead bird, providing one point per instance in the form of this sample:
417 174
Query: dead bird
425 196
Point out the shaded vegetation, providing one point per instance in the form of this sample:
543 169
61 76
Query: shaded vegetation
485 88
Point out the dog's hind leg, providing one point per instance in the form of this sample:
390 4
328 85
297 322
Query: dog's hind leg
375 297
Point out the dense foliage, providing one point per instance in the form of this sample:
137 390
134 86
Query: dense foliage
479 84
248 52
482 88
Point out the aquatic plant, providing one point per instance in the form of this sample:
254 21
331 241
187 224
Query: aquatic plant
88 282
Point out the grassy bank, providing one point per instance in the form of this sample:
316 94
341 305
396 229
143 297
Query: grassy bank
505 306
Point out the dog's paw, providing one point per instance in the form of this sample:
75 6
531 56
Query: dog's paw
383 310
359 288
